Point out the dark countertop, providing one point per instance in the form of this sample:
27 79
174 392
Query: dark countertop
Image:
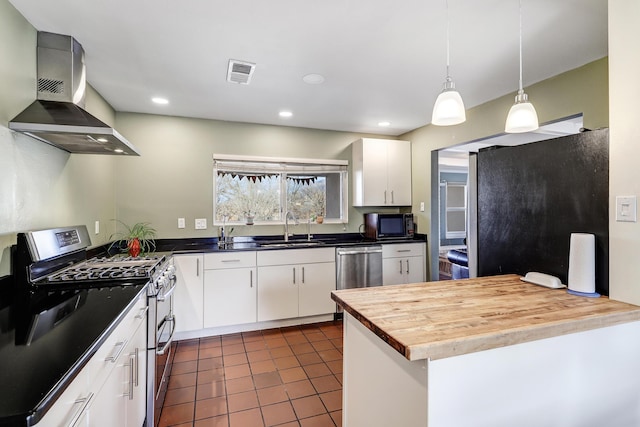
35 371
34 374
271 242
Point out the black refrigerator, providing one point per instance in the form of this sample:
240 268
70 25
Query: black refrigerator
530 198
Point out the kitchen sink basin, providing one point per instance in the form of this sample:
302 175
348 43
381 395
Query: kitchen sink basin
290 243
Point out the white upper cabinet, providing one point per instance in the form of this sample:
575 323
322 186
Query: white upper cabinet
381 172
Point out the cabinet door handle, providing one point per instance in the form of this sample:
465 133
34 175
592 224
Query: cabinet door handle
400 266
114 357
294 275
407 266
197 267
303 275
132 362
137 375
385 197
392 197
230 260
83 402
403 250
251 278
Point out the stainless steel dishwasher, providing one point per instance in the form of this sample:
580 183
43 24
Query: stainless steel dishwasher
358 267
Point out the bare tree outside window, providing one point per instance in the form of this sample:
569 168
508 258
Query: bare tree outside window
240 196
263 191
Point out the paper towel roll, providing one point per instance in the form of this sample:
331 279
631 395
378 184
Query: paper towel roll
582 263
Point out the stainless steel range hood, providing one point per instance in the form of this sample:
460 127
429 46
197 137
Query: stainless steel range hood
57 116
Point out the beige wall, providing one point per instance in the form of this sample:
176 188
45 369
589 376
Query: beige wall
174 176
624 174
42 186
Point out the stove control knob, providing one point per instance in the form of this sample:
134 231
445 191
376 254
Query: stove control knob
161 281
171 269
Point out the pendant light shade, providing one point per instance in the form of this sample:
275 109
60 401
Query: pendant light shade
522 116
449 108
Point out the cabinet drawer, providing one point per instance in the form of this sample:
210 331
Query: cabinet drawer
104 360
403 250
229 260
296 256
71 404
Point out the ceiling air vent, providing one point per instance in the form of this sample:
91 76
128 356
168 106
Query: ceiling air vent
240 71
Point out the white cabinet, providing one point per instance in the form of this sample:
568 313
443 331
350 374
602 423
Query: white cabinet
403 263
381 172
121 400
295 283
230 290
111 389
71 407
188 297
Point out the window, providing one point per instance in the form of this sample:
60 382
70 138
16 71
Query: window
456 210
262 190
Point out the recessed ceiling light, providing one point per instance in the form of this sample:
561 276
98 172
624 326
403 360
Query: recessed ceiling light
102 140
285 114
313 79
119 150
161 101
384 124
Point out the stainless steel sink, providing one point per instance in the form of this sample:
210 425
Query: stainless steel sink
290 243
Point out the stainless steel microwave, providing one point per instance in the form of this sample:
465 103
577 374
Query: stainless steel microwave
388 226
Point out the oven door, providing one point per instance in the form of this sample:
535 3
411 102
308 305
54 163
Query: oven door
165 327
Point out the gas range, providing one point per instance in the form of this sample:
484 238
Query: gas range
57 259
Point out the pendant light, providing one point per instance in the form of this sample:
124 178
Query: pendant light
449 108
522 116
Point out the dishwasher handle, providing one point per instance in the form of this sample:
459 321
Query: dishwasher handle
359 250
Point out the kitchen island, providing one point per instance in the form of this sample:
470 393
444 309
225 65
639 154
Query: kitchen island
493 351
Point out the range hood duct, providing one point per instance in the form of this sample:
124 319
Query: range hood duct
57 116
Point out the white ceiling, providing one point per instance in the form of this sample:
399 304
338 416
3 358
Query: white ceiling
381 60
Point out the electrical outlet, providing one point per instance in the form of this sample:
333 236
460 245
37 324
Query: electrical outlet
97 227
201 223
181 223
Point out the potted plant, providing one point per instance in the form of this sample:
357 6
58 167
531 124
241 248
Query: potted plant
136 239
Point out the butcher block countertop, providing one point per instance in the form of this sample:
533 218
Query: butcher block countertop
435 320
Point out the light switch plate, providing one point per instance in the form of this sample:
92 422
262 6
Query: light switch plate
626 209
181 223
201 223
97 227
421 206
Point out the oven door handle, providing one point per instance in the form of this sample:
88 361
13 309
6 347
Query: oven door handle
170 318
167 294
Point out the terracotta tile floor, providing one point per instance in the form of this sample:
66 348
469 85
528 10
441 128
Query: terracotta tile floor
276 377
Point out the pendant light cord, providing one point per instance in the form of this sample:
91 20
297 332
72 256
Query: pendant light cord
447 18
520 15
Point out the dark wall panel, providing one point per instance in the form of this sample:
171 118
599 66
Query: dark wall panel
532 197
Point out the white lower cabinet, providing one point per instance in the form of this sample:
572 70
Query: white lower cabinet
230 290
295 283
121 400
403 263
111 389
188 297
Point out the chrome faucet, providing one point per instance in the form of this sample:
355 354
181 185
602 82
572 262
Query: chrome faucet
286 224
